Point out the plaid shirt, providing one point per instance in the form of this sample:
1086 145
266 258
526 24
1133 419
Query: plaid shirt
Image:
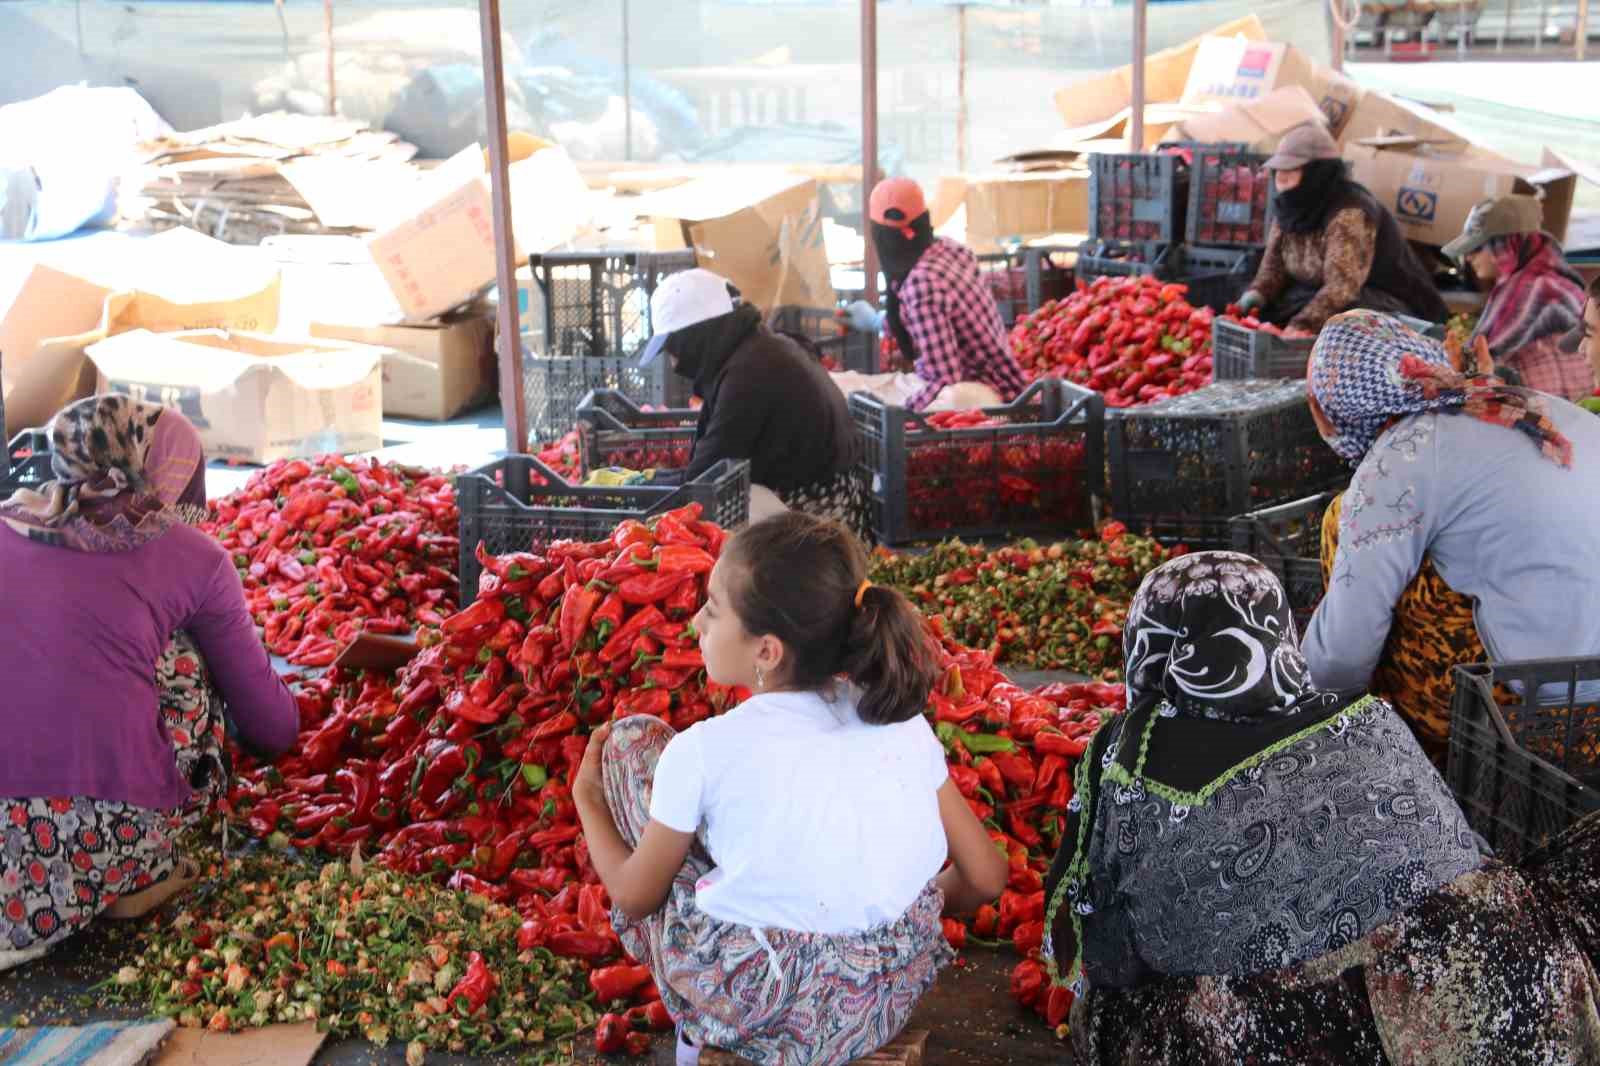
1544 366
955 325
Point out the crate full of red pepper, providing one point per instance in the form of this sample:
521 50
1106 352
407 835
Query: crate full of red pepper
1181 468
616 431
1031 466
517 504
1230 198
1134 339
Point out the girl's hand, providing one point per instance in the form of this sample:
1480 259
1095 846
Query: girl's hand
589 776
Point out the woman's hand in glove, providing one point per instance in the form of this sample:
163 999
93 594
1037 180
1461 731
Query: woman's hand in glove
863 317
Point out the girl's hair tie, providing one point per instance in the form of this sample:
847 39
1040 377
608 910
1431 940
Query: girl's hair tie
861 592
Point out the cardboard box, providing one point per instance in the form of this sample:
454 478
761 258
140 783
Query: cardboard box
442 255
1259 124
760 229
254 398
433 371
179 279
1098 99
1237 70
1380 115
1431 190
1000 207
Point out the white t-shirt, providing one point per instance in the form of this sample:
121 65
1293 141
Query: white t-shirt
817 821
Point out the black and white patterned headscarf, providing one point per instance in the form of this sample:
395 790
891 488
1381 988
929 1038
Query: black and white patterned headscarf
1211 634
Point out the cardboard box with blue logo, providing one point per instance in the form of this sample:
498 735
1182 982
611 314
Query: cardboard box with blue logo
1432 188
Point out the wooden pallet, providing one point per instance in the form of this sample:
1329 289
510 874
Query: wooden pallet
904 1050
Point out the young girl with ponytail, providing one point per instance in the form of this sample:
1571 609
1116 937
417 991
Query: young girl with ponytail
779 868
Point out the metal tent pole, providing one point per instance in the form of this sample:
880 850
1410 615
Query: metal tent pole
869 139
512 401
1140 47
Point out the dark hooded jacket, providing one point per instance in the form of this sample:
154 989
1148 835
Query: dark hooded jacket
764 399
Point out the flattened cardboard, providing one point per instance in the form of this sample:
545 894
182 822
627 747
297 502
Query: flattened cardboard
762 230
254 398
1102 97
1259 124
1379 115
1000 207
273 1045
442 255
1431 190
433 371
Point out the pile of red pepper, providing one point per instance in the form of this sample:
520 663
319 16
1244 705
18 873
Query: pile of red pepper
331 547
1012 755
1014 476
1133 339
564 456
459 766
1049 607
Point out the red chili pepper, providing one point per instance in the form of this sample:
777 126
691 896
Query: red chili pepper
585 945
986 922
647 588
483 612
1027 982
618 982
955 932
623 638
611 1035
576 609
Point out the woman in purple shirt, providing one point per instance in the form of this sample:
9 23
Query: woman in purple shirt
117 617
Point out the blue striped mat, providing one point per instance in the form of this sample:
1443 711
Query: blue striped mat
103 1044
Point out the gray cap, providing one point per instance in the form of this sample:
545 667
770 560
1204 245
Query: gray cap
1305 143
1500 217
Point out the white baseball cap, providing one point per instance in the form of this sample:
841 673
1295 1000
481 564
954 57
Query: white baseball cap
682 300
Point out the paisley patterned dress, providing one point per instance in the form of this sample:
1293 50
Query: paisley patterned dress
1257 872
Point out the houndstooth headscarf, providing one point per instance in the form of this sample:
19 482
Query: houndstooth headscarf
1368 369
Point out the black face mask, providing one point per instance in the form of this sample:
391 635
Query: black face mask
1306 207
898 255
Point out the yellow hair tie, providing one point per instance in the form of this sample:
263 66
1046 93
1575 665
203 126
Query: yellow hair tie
861 592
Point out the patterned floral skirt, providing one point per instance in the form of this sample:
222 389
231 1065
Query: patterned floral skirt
770 996
1432 631
63 860
844 499
1496 968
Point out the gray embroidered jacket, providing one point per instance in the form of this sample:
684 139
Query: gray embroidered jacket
1505 526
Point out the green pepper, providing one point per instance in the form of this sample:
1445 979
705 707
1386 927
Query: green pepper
347 481
534 776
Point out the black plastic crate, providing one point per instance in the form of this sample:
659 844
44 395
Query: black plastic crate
1039 471
27 462
519 504
1524 757
615 431
597 304
594 319
840 347
1238 354
1224 450
1288 539
1138 196
1024 279
1230 198
555 386
1216 277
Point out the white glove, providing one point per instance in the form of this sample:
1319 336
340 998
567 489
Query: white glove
863 317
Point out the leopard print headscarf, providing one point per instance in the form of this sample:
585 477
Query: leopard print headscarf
125 473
